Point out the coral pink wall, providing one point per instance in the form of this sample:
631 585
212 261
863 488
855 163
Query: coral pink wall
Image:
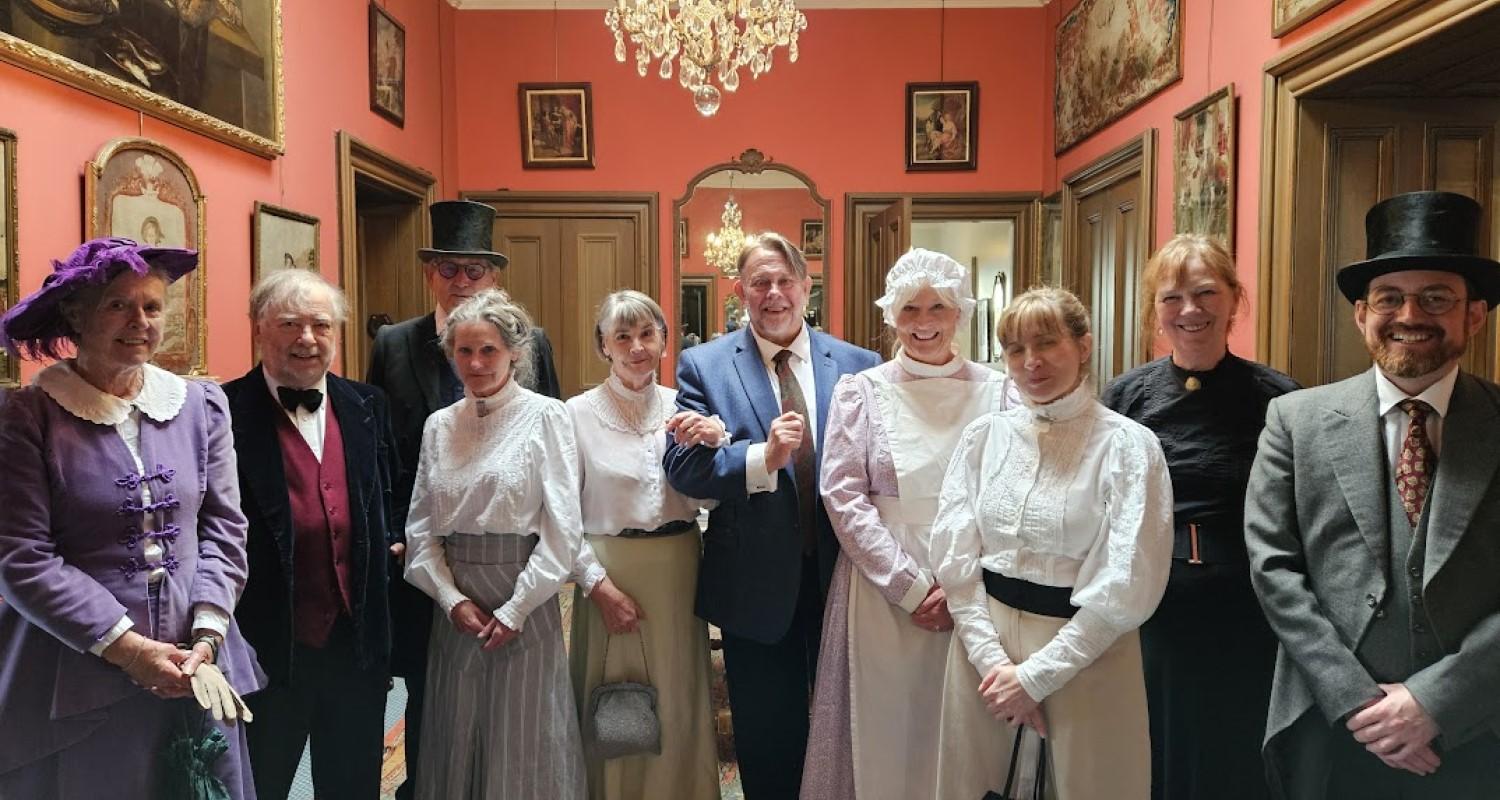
1224 41
326 76
837 114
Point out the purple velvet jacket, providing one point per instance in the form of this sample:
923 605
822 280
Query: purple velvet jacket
69 496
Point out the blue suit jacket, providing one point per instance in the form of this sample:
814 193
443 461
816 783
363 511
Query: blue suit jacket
752 554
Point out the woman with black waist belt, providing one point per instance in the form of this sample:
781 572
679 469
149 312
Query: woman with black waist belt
1208 652
493 530
1052 540
639 563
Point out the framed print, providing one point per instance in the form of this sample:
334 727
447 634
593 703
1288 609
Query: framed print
942 126
1203 161
211 66
1288 15
1111 56
812 239
697 307
140 190
10 372
387 66
682 238
557 125
815 305
1049 235
281 238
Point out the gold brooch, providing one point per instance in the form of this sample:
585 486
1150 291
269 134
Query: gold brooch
1192 383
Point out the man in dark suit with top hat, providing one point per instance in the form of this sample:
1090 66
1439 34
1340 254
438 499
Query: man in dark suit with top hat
316 460
1372 522
408 363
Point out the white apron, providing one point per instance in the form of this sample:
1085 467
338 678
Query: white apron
896 669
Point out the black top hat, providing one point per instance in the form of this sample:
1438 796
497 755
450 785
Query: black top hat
462 228
1423 230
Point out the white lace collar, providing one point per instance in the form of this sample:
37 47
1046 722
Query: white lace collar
924 370
485 406
1067 407
160 398
628 410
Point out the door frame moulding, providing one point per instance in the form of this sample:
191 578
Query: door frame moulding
357 160
1290 79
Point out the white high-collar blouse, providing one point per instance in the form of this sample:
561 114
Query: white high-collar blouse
513 471
1063 494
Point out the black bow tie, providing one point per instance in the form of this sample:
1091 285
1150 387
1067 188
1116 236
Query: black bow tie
309 399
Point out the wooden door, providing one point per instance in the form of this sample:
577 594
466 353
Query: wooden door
388 231
1351 155
888 236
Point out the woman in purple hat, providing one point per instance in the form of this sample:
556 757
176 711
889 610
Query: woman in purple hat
122 549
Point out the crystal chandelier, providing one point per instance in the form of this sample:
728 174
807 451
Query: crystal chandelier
711 39
725 244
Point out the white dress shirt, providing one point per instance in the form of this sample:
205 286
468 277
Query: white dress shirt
757 477
512 472
313 425
1394 421
1063 494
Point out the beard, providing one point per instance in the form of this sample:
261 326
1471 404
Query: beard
1399 362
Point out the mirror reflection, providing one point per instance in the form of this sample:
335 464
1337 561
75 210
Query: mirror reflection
718 210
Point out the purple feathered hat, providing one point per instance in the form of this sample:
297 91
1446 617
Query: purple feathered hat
36 327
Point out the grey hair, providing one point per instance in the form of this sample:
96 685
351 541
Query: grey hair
294 290
776 243
495 307
626 308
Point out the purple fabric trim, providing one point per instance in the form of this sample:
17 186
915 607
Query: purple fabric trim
130 506
133 480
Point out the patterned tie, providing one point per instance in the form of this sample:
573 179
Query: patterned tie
1415 467
802 460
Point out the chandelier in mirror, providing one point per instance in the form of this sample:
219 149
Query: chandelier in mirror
725 244
710 40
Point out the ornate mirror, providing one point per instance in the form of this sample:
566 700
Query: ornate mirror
749 195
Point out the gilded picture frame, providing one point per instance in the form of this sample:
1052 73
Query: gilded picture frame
1112 56
557 125
387 66
1288 15
214 68
1203 167
141 190
10 264
942 127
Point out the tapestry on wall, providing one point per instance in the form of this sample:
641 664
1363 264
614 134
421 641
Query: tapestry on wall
9 370
138 189
1111 56
212 66
1288 15
1203 161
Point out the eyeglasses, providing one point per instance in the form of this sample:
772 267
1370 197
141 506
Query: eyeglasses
449 269
1436 302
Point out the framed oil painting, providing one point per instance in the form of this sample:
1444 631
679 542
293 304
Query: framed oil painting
387 66
211 66
815 304
557 125
10 373
682 238
281 238
696 311
942 126
140 190
1288 15
812 239
1203 161
1111 56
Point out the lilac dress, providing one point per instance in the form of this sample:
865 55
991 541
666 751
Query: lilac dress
74 569
880 676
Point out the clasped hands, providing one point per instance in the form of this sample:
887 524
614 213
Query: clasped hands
170 672
1398 730
1008 701
487 628
689 428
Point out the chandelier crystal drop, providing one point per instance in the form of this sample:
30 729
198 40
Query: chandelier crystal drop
725 244
709 39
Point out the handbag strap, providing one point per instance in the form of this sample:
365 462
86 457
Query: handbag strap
1039 786
641 633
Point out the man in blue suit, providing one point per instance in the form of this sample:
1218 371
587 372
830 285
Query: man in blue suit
769 551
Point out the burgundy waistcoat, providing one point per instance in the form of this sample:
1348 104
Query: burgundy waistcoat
319 498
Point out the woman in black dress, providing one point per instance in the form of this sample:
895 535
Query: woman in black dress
1208 652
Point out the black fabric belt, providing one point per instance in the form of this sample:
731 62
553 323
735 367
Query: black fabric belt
1210 543
667 529
1033 598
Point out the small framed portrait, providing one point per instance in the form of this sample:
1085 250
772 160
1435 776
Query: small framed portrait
942 126
1203 155
682 238
138 189
557 125
281 238
812 238
387 66
10 375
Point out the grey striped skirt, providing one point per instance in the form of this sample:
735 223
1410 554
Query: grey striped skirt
498 724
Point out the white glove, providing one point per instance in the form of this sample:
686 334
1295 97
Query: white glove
216 695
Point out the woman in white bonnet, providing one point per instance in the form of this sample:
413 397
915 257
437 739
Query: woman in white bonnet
886 629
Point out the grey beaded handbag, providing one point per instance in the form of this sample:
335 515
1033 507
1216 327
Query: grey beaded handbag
623 714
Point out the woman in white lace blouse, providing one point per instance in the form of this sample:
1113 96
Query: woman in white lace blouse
1053 536
639 563
492 534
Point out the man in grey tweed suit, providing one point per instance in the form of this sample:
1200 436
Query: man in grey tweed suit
1373 526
